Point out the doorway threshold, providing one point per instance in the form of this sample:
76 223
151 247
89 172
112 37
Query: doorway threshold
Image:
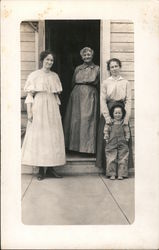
80 157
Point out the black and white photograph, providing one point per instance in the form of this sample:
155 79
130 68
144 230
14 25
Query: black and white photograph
77 122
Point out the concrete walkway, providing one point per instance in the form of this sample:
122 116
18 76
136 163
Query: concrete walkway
88 199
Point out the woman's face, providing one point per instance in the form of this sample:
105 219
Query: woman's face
48 62
114 68
87 56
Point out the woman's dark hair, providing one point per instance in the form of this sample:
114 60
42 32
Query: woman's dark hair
44 54
113 60
117 106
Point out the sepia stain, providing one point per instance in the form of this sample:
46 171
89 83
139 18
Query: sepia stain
6 12
150 18
8 107
60 12
3 49
45 12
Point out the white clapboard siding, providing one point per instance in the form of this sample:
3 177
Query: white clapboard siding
122 38
127 57
122 27
27 37
128 75
28 66
24 74
27 46
132 93
128 66
27 56
28 51
122 47
28 59
25 27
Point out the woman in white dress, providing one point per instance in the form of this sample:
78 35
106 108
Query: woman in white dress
43 144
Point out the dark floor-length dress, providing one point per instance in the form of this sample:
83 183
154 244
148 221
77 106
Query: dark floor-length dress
81 118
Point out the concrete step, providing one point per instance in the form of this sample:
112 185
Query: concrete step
72 168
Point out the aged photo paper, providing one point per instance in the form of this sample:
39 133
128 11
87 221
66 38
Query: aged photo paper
143 232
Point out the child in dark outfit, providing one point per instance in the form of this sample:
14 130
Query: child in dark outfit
117 136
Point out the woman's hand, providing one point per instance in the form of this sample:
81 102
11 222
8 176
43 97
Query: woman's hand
125 122
29 112
30 116
109 120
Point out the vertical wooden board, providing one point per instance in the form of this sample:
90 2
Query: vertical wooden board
105 48
41 37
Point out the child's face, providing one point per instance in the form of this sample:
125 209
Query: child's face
117 114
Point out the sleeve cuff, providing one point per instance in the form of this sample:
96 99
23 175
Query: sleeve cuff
29 98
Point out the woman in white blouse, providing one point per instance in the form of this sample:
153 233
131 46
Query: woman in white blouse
43 144
115 89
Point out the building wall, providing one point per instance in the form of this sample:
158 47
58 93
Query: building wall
122 47
28 39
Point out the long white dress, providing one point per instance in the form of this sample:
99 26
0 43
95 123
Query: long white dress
44 140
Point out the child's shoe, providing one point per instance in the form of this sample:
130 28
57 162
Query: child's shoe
112 177
120 178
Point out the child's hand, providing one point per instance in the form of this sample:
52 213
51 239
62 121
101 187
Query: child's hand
127 139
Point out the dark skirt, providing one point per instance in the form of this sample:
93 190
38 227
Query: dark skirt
100 156
80 122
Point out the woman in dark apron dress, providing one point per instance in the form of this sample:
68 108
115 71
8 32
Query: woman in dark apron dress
81 117
115 89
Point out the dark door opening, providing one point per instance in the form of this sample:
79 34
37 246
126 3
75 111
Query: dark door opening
66 38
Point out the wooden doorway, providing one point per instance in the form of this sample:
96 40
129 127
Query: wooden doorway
66 38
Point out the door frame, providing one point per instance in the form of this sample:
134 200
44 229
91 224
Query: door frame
105 35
